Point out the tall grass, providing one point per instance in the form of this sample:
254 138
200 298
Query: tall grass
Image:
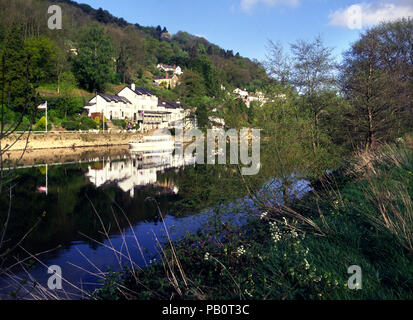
388 173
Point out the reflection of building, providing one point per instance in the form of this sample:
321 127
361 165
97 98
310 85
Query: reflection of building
140 171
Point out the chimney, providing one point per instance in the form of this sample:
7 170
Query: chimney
166 75
133 87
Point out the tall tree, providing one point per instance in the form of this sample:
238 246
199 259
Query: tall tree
43 53
94 63
17 81
203 66
278 63
377 75
191 85
313 75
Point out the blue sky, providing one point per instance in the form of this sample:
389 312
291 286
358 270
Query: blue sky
245 26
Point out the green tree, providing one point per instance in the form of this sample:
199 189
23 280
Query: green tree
310 68
377 77
94 63
67 83
14 64
165 52
43 53
203 66
191 85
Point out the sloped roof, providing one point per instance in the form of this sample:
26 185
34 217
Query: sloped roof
142 91
167 66
113 98
168 104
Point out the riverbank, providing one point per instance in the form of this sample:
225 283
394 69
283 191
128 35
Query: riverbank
361 216
66 155
64 139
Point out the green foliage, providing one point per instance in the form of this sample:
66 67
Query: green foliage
120 123
43 54
66 106
203 66
123 52
236 113
191 85
94 63
68 83
14 64
84 123
377 78
41 124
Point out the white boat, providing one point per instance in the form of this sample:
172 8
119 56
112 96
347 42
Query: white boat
149 144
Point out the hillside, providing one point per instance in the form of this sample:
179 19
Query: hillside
136 49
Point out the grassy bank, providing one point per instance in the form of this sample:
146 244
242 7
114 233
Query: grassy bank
361 215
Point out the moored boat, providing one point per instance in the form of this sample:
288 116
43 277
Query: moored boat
159 143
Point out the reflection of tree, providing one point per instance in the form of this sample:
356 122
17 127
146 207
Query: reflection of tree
203 186
68 207
16 113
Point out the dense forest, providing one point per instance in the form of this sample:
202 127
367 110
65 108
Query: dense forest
135 50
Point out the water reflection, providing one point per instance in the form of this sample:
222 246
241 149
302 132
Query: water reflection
80 198
111 191
141 170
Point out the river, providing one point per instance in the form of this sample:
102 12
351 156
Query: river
96 212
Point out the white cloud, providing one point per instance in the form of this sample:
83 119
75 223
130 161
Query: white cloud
364 14
248 5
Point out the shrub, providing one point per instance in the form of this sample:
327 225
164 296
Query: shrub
70 125
87 124
120 123
66 106
41 124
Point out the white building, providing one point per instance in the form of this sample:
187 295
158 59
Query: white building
242 93
138 105
113 107
175 69
142 99
249 98
127 175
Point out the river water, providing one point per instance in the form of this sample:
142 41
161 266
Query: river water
94 213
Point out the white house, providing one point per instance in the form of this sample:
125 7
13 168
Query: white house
175 69
142 99
138 105
112 107
242 93
249 98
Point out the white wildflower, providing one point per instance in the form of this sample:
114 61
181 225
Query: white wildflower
307 265
241 251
